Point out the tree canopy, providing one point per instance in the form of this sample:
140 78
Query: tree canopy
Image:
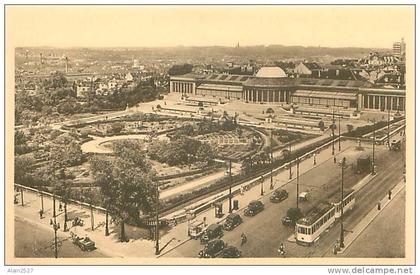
127 183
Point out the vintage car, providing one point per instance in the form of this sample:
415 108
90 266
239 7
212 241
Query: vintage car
85 244
212 232
253 208
196 229
232 221
279 195
287 221
231 252
304 196
212 249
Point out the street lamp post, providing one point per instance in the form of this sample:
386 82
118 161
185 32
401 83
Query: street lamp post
387 134
56 226
297 182
373 148
42 201
262 185
290 163
343 163
157 220
230 186
271 160
106 223
333 133
339 134
21 196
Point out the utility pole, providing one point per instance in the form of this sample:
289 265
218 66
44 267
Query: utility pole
106 223
157 252
230 186
21 196
333 134
343 163
42 201
55 226
373 148
387 134
290 163
297 182
271 160
339 134
290 155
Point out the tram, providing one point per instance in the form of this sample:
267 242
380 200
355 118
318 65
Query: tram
320 218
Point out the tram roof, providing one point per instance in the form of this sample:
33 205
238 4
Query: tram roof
336 197
315 213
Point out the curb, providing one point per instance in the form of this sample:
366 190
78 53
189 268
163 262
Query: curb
374 217
173 248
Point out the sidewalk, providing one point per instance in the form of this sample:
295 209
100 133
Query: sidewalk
367 220
139 245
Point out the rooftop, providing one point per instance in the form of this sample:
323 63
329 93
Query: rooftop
271 72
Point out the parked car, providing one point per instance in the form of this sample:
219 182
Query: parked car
232 221
253 208
85 244
279 195
212 232
212 249
231 252
287 221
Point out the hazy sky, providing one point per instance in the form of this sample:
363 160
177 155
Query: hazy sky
144 26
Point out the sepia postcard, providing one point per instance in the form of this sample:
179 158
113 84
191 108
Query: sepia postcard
209 134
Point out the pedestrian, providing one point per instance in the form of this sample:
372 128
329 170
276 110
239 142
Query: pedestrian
379 205
60 207
389 194
335 249
242 189
41 213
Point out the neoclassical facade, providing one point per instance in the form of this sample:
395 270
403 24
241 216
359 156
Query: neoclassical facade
270 85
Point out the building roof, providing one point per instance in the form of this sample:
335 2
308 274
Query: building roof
312 65
271 72
269 82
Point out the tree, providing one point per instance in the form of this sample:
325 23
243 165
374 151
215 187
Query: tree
247 165
205 153
350 127
67 155
23 169
129 188
87 196
117 127
294 214
63 190
180 69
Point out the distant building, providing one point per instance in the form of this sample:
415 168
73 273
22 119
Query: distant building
271 85
307 68
398 48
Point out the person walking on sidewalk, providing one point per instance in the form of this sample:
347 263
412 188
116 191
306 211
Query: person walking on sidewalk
243 239
389 194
